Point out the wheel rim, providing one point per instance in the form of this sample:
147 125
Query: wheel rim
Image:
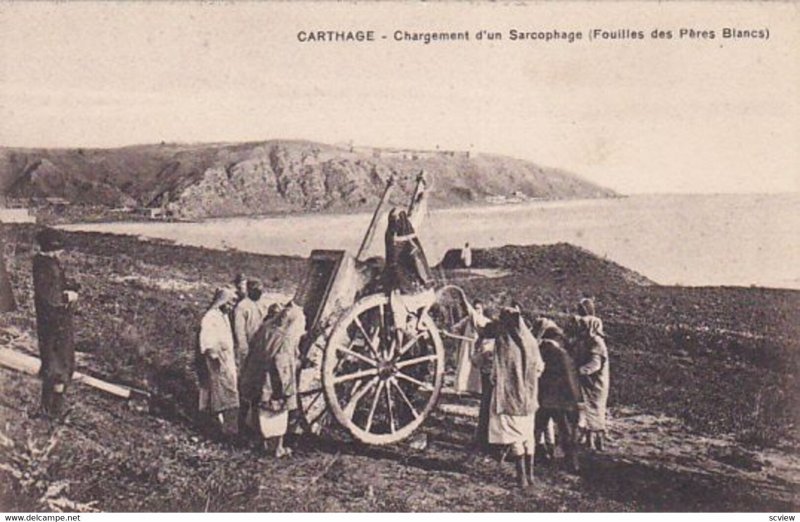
378 390
313 406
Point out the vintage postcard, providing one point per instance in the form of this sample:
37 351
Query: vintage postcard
399 257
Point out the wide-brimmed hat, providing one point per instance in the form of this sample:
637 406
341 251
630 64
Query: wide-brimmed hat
50 239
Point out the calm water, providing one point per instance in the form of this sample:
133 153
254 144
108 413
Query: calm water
674 239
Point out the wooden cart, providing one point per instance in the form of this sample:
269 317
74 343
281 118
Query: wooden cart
353 372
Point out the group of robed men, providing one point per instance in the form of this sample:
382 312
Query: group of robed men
534 379
247 356
246 351
246 359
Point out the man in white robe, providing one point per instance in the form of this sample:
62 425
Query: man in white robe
219 395
247 317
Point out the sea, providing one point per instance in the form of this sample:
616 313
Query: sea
688 240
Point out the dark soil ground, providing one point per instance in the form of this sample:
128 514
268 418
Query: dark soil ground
704 396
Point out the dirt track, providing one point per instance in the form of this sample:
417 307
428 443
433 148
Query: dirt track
700 376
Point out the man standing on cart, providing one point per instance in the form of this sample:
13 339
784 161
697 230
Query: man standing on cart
408 279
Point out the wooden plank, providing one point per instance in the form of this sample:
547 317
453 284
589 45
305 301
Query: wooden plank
373 223
30 365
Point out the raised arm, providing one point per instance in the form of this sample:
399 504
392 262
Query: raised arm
419 204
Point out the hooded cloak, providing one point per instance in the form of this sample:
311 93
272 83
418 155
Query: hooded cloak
594 381
517 365
558 385
270 370
216 357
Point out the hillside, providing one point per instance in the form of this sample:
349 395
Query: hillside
270 177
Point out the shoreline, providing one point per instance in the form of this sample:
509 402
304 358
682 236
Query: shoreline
367 210
646 249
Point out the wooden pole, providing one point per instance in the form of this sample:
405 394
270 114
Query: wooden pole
371 229
30 365
417 190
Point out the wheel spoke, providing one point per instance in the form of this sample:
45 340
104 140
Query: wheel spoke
416 360
358 356
412 380
459 337
321 411
353 402
405 398
309 392
409 344
374 405
357 375
314 401
372 346
391 410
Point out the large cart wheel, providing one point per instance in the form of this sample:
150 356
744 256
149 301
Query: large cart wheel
378 391
313 407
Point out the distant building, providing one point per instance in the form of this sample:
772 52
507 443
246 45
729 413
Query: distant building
153 212
57 201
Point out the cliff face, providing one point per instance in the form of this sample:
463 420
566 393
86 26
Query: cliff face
274 176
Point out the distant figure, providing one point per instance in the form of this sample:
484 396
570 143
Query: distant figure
7 302
247 317
54 298
559 394
466 256
269 385
516 370
591 356
219 394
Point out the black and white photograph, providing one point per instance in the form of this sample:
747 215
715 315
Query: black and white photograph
429 257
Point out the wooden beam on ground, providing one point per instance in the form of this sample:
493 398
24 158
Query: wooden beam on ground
30 365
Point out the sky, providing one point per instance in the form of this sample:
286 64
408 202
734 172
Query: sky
680 115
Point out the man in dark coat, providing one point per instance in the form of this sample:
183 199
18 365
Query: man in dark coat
54 298
407 276
559 393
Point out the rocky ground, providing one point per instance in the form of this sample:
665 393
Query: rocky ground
703 398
